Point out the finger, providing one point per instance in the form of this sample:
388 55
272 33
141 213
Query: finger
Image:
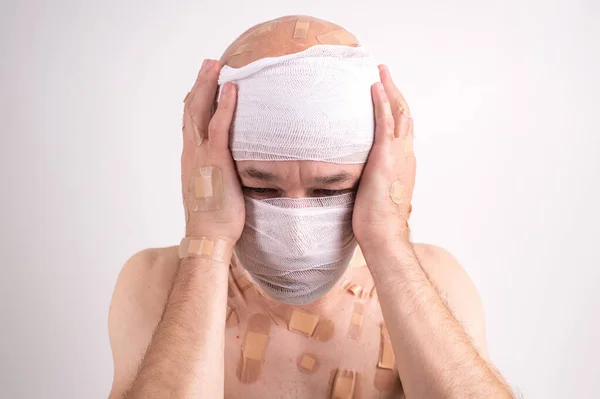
199 103
384 120
403 121
392 89
190 94
218 129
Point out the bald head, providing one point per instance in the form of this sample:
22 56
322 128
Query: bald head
282 36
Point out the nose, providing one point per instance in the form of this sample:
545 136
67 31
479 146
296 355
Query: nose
296 193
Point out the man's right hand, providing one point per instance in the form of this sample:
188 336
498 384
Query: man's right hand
206 144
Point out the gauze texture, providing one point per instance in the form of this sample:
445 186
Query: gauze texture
314 105
296 249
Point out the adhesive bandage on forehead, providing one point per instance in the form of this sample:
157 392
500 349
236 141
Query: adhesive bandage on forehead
312 105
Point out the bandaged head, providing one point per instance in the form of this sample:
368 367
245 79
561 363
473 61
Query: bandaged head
312 105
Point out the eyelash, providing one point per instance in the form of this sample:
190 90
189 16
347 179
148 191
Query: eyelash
259 190
329 193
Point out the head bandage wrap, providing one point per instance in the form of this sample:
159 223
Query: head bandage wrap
314 105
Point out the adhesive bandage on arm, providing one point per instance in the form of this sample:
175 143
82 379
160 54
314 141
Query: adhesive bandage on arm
205 247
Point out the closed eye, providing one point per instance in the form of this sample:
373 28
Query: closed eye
259 190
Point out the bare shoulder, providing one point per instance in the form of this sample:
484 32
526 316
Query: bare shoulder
137 304
457 289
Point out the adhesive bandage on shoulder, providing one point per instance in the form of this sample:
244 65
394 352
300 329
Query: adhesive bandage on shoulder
207 188
205 247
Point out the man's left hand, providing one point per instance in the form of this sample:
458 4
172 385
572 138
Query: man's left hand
382 205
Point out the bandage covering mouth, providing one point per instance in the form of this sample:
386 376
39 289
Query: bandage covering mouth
315 105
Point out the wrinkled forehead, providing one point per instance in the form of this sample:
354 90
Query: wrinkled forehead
314 171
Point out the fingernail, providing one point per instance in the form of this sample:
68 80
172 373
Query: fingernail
203 65
225 88
209 64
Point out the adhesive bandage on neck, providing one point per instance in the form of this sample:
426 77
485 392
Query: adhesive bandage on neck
315 105
312 105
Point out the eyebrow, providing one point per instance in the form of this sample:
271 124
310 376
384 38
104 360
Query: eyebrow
258 174
332 179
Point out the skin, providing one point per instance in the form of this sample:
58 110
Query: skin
167 323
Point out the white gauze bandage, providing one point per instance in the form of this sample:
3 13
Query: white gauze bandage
312 105
315 105
296 249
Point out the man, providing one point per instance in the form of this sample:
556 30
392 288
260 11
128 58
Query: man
284 317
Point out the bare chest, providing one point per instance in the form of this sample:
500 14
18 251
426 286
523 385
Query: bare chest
288 352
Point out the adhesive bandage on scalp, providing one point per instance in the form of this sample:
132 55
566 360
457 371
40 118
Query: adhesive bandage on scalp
301 28
340 36
207 188
205 247
312 105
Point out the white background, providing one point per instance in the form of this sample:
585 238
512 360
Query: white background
505 99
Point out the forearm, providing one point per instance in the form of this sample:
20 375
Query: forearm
434 355
185 357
